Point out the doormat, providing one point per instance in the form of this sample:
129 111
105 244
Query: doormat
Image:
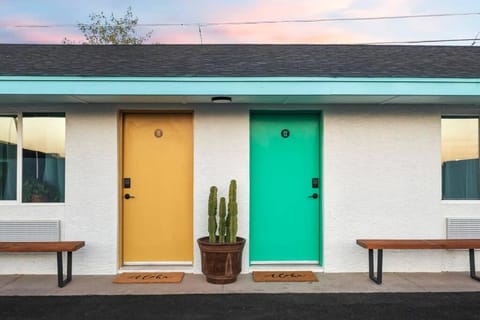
284 276
149 277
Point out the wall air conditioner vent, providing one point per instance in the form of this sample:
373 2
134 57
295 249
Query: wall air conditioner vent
29 230
463 228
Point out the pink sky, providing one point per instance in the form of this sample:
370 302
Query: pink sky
58 12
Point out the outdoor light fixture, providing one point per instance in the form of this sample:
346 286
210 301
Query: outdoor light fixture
221 99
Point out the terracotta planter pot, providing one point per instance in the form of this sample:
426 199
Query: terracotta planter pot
221 262
39 198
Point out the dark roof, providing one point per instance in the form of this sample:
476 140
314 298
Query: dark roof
241 60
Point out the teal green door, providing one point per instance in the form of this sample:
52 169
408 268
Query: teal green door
285 188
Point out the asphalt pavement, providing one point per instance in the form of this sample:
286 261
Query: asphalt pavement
325 306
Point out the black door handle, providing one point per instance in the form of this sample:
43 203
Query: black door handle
128 196
314 196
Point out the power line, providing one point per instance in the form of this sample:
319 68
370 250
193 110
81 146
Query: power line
420 41
342 19
476 38
211 24
200 25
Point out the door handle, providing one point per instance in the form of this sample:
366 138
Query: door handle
128 196
314 196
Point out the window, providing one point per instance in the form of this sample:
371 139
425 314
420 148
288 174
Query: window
8 157
42 169
460 158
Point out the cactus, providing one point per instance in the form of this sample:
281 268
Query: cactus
222 227
232 212
227 226
212 211
232 191
232 222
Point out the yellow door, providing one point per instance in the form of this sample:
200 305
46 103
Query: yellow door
157 188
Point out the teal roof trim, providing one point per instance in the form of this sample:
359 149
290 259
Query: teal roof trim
252 86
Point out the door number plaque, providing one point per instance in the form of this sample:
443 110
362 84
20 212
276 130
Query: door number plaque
285 133
158 133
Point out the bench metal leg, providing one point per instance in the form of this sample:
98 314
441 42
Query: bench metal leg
61 281
378 278
473 274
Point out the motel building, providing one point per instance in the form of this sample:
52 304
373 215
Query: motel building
118 146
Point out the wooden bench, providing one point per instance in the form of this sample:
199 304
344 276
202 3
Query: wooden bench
54 246
381 244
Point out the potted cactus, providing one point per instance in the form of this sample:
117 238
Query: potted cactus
36 190
222 249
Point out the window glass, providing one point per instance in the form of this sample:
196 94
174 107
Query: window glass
460 158
43 158
8 157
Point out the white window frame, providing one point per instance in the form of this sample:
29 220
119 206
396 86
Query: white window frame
19 194
457 201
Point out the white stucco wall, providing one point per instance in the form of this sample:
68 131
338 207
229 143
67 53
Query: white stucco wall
90 211
382 179
91 192
221 153
381 169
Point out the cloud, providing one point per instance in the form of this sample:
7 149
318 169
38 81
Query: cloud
48 36
315 32
175 35
282 33
286 9
51 35
258 10
378 8
285 32
399 29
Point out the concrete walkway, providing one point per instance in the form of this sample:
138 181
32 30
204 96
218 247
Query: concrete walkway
45 285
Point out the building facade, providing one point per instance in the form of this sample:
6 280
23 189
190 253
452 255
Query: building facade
328 144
